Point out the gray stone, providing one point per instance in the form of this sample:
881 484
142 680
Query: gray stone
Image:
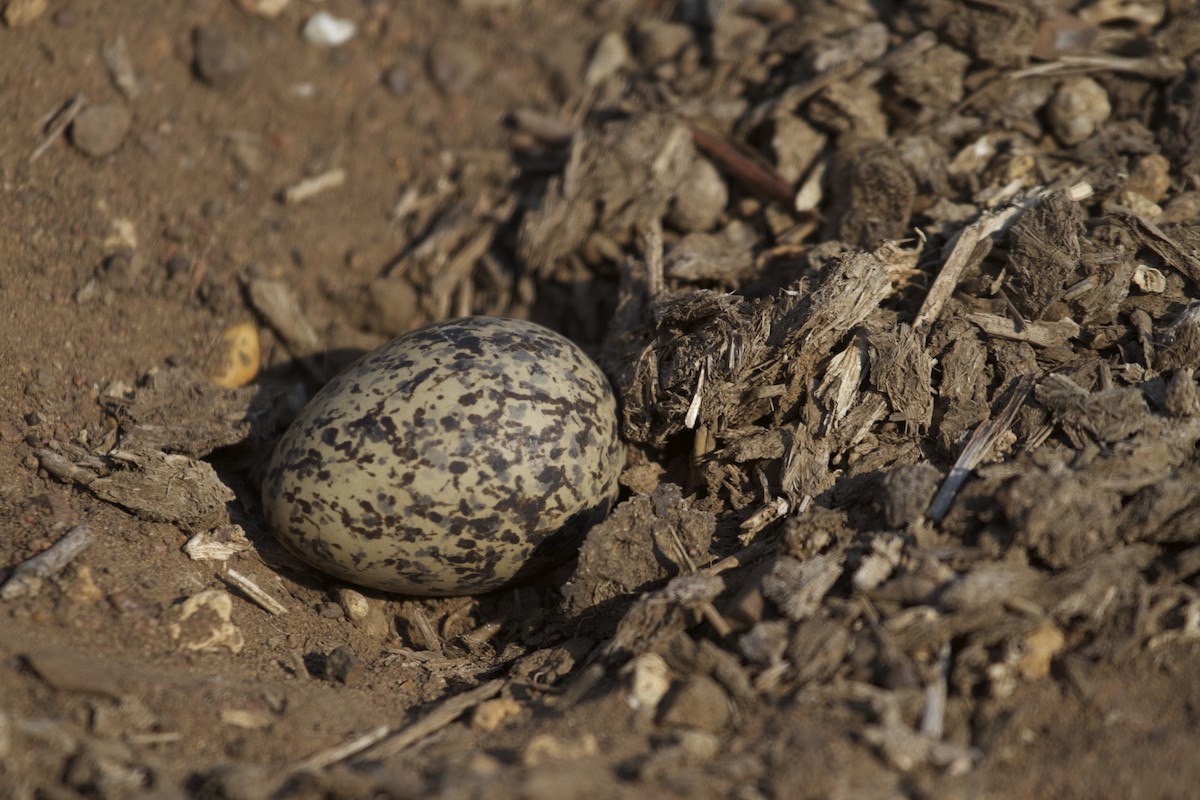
99 130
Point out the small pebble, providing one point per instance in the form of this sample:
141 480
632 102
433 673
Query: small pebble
353 603
649 679
699 703
545 747
123 268
701 199
264 8
9 432
491 714
220 59
239 782
765 642
397 80
453 66
19 13
1150 177
213 208
325 30
81 588
656 41
1040 648
1183 207
241 358
1140 205
247 154
330 611
99 130
343 666
1078 107
178 265
609 57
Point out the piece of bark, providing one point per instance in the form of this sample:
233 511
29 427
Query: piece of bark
1044 254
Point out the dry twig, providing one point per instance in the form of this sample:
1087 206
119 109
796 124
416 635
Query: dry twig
28 575
980 444
988 225
58 123
441 716
256 593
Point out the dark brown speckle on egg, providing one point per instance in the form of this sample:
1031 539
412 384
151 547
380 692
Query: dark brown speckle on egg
449 461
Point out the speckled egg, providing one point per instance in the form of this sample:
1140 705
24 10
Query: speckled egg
449 461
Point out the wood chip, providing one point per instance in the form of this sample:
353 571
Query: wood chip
442 715
311 187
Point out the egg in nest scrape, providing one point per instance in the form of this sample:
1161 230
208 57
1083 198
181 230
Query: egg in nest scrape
451 460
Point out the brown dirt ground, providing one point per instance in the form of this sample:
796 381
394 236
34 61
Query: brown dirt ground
119 265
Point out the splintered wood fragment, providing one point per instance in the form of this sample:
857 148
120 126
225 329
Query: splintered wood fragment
64 469
1161 67
702 445
279 307
987 226
1162 244
716 619
707 609
978 446
324 758
154 739
441 716
689 420
760 178
311 187
771 511
543 127
933 719
652 251
1041 334
28 575
58 123
457 270
115 55
256 593
947 278
579 686
748 554
424 628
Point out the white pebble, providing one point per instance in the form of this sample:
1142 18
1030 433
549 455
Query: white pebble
353 604
649 678
325 30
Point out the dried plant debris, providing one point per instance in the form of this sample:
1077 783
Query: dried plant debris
151 484
744 359
151 465
1000 412
618 176
180 410
645 541
1044 254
